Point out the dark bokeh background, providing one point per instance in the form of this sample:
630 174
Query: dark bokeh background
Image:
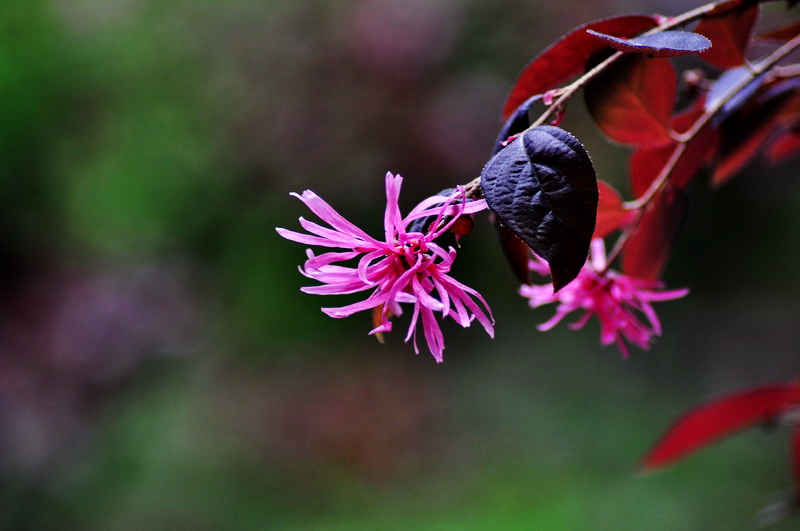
159 367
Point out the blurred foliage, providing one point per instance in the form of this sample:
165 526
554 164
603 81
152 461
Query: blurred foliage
159 367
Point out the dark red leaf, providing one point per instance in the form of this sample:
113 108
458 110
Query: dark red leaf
566 58
663 44
784 146
784 33
737 159
611 213
729 30
746 133
648 248
632 100
716 419
647 162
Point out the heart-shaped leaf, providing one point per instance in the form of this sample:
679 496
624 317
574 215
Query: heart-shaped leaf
663 44
632 100
543 188
516 123
567 57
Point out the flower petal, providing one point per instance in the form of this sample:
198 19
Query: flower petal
327 213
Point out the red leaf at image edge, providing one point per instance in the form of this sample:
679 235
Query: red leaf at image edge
718 418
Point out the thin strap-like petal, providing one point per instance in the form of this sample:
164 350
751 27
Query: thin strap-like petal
433 333
334 235
391 218
309 240
350 309
424 297
327 213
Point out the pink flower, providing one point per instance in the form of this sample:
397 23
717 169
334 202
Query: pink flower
621 303
406 267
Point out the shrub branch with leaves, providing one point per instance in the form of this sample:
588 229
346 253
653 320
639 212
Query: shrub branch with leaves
554 216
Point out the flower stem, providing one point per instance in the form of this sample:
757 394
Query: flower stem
683 139
660 182
566 92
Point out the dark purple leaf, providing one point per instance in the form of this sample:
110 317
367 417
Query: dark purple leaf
664 44
516 123
724 90
461 227
543 188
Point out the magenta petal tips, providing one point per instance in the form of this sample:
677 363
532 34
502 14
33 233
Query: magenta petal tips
620 302
406 267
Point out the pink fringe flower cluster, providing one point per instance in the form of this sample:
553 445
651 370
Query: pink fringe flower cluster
406 267
620 302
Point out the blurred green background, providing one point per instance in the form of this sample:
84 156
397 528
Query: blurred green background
159 367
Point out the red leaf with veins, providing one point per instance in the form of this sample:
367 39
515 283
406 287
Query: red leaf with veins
718 418
648 248
567 57
730 32
632 100
647 162
746 133
611 214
